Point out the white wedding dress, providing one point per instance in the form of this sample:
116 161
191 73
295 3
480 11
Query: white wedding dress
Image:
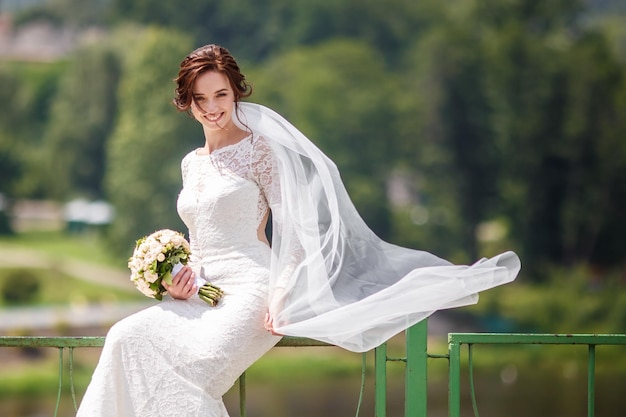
179 358
327 276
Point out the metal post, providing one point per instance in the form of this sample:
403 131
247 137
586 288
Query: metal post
416 377
380 381
56 409
242 395
591 370
454 378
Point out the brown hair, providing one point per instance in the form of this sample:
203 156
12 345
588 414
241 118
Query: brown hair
208 58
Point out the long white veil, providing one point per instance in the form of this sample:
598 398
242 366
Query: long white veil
332 278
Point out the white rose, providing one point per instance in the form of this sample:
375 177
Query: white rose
165 239
145 288
154 246
151 276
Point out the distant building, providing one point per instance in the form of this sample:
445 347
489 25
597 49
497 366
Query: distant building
39 41
81 215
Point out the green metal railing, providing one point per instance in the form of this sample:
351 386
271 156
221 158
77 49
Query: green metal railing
416 363
456 340
415 366
415 377
69 343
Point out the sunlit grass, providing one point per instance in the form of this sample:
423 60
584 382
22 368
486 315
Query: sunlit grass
49 258
85 247
58 288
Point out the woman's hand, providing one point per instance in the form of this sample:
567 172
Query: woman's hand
183 284
269 324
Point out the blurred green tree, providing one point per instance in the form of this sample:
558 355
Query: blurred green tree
595 175
340 95
10 166
74 13
488 112
149 140
256 29
28 90
553 86
448 140
80 123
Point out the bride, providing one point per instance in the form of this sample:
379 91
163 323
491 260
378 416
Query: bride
324 275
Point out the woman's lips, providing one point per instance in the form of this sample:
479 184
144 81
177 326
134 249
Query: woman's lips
213 118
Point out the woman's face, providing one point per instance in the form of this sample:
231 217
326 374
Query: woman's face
213 100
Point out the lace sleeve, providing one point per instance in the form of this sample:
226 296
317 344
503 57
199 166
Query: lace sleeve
263 168
265 171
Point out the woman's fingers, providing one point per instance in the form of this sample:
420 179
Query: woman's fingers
182 284
269 325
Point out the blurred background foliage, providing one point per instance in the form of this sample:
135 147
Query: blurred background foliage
464 127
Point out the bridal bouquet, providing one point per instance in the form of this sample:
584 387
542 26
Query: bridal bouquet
159 256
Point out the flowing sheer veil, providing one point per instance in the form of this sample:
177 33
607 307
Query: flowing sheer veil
332 278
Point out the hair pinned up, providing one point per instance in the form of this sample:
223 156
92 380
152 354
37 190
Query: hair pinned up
208 58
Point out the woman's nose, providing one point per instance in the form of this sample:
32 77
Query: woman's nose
209 106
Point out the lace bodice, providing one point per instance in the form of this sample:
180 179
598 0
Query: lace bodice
226 196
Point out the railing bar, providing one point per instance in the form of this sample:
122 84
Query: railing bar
438 356
591 371
290 341
242 395
73 391
380 381
416 372
429 355
454 379
552 339
56 409
471 377
98 341
362 389
53 342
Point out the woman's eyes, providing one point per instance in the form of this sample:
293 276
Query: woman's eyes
203 99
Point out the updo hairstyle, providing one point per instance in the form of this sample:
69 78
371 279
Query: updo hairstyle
208 58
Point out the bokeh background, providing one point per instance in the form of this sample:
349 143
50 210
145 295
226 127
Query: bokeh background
464 127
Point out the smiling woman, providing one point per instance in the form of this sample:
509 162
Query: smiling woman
325 275
212 106
210 86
